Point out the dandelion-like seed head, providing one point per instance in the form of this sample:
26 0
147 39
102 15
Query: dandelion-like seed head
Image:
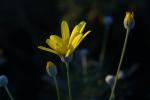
129 21
3 80
51 69
65 46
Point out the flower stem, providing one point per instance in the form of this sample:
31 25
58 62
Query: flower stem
104 44
119 66
57 89
69 87
8 92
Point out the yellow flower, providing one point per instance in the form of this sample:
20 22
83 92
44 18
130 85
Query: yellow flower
65 46
129 21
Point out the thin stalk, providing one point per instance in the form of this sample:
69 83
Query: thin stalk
84 66
68 77
119 66
104 44
57 89
8 92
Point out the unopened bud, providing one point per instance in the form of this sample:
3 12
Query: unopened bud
107 20
51 69
129 21
121 75
109 79
3 81
84 52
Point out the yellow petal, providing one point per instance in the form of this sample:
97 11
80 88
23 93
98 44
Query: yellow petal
81 26
74 33
76 40
68 53
55 42
65 31
82 38
47 49
85 35
77 29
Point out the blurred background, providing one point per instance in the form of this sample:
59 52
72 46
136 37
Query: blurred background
25 24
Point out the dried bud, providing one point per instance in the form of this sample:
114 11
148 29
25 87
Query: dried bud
3 81
129 21
51 69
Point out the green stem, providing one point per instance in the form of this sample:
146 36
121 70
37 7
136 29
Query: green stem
119 66
57 89
8 92
69 87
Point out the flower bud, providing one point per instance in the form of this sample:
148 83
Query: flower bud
108 20
109 79
129 21
121 75
3 81
51 69
84 52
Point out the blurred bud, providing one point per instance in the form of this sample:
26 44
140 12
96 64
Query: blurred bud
107 20
51 69
83 52
129 21
3 81
109 79
121 75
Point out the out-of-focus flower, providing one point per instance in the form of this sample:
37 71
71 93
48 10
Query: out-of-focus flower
121 75
109 79
107 20
51 69
65 46
129 21
84 52
3 81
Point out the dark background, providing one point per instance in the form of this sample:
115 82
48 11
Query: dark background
25 24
